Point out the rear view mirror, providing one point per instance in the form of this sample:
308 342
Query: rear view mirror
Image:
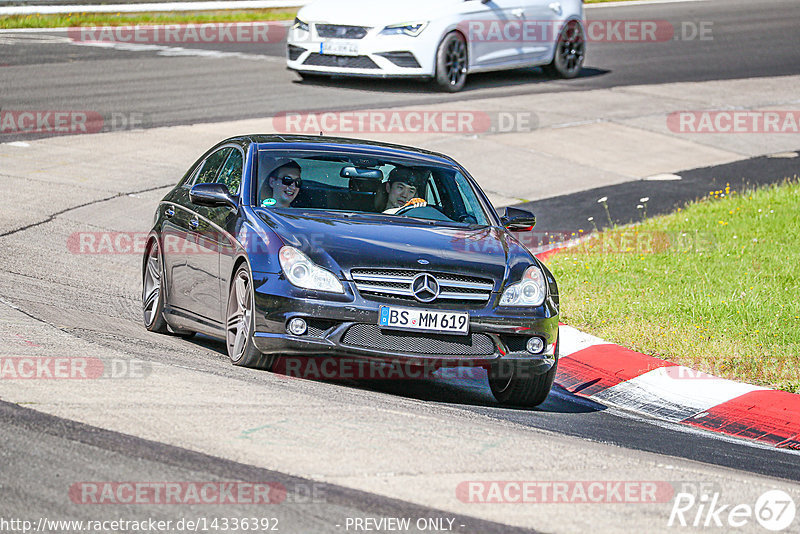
363 173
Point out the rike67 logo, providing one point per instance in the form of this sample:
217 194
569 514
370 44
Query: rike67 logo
774 510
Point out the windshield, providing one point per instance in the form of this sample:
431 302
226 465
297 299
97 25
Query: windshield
354 183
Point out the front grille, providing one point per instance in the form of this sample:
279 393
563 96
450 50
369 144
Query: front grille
394 283
294 52
401 59
336 31
370 336
347 62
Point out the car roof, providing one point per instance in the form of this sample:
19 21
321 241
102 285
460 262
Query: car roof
327 143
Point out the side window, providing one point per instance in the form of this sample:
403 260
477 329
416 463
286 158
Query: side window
231 173
432 193
471 204
212 165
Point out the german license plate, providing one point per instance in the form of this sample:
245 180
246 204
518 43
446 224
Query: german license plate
414 319
338 48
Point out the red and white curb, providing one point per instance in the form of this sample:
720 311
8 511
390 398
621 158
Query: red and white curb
609 374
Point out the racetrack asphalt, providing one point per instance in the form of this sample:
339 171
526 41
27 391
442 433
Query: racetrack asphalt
404 445
170 85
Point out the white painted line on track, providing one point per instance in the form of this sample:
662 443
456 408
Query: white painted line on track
662 178
142 26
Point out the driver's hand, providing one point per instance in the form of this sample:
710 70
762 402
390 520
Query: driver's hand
416 203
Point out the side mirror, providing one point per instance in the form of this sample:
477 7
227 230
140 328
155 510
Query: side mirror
517 220
212 195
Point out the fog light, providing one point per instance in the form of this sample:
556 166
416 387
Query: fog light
535 345
297 327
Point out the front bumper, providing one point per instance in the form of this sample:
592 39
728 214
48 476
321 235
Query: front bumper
346 325
377 55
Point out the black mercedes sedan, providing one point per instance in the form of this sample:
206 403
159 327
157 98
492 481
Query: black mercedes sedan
299 246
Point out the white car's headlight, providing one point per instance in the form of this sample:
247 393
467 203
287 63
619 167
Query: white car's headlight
300 25
304 273
530 291
412 29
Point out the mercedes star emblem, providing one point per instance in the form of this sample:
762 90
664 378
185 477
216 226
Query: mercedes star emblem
425 287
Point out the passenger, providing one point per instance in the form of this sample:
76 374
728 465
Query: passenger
401 190
285 183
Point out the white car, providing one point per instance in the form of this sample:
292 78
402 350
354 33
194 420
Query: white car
442 40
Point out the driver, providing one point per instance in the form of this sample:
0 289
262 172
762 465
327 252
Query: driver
401 189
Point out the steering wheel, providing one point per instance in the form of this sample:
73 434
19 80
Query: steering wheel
406 209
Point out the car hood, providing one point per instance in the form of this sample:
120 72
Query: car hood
374 13
341 243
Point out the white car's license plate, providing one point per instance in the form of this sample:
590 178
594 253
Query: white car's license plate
424 320
339 48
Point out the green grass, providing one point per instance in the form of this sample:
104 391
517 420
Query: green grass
714 286
121 19
124 19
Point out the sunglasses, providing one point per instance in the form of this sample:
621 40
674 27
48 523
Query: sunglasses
289 180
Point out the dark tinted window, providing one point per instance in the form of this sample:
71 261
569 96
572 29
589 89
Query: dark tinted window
361 183
208 173
231 173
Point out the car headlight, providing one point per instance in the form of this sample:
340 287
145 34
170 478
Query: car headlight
304 273
299 25
412 29
530 291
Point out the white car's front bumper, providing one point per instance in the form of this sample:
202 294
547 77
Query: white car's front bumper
376 55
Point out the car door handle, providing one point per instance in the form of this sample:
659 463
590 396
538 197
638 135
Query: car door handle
169 212
518 12
194 223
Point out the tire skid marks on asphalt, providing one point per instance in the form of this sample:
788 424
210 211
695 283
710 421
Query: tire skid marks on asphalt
178 51
160 50
673 392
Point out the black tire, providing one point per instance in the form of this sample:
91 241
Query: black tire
240 324
152 294
451 63
513 383
570 52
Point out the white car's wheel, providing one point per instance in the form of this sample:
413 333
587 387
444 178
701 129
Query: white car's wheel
570 52
451 63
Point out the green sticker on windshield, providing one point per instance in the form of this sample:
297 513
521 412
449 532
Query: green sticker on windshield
267 202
